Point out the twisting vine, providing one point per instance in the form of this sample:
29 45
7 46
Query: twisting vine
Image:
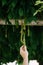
23 29
23 32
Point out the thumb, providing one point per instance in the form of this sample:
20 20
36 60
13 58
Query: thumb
25 47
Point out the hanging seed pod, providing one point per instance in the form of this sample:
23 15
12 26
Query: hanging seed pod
21 34
28 30
6 29
24 42
24 28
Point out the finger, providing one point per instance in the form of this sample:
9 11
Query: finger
21 48
24 47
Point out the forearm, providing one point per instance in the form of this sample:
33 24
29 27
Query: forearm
25 61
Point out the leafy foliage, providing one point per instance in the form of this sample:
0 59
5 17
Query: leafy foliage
40 9
16 9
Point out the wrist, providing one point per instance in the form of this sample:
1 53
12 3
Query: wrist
26 58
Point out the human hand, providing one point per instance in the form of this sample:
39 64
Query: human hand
23 52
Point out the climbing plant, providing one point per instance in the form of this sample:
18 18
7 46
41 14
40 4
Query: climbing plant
13 36
16 9
39 11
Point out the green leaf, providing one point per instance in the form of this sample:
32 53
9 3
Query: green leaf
39 10
4 2
38 2
21 12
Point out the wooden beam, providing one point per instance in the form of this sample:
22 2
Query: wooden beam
33 23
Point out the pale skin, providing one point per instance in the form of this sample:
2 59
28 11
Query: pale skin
24 54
